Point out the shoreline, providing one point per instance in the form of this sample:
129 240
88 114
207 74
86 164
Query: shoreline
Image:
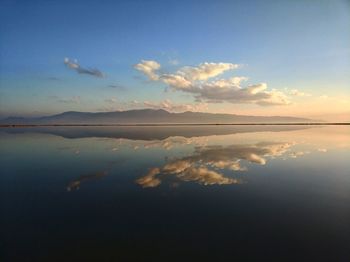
175 124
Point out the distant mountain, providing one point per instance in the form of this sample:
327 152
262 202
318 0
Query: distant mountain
148 116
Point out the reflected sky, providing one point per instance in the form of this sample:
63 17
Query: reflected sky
223 158
68 189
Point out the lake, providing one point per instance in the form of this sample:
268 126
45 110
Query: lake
176 193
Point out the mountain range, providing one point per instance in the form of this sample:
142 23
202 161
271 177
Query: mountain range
147 116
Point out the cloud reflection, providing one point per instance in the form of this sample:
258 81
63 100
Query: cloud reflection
75 184
205 165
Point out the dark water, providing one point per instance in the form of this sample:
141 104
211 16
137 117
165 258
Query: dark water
216 193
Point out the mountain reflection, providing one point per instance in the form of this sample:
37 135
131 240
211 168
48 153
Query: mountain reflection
206 164
149 133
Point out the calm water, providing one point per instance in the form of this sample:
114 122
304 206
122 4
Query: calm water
218 193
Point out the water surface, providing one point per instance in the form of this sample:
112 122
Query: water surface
219 193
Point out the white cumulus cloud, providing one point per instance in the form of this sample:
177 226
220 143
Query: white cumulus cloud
149 68
205 70
196 80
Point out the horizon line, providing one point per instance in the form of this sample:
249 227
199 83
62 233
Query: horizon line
176 124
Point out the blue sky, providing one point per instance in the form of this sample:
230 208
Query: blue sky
298 48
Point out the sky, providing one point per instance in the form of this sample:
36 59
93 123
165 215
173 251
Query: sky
241 57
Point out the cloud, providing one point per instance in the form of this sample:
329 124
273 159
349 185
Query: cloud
203 167
205 70
173 107
296 92
73 64
195 80
148 67
177 81
229 91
